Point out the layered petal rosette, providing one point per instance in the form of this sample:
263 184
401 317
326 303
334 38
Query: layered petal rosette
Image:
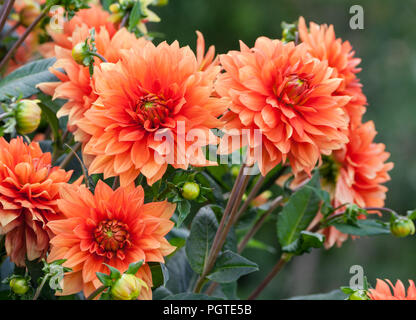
281 92
112 227
155 107
29 190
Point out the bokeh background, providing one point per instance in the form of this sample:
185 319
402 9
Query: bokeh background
387 46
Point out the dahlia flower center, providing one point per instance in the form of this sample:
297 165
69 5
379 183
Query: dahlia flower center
111 236
295 89
152 111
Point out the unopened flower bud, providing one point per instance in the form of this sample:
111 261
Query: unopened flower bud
28 115
114 8
359 295
128 287
19 285
29 13
80 52
402 227
190 190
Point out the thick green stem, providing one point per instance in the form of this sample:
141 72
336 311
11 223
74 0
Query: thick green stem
39 289
96 293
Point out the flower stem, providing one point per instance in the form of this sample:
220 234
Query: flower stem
276 203
96 54
39 289
5 11
276 269
29 29
96 292
70 155
225 224
250 197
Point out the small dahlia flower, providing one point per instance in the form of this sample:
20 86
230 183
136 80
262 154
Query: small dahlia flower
280 91
112 227
383 291
155 107
356 174
94 17
29 189
322 43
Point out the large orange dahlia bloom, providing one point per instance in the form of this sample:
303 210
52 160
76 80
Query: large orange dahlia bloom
323 44
29 189
383 291
112 227
288 95
359 170
151 92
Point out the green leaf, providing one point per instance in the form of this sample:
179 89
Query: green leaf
256 244
369 227
411 214
191 296
296 215
161 293
181 275
333 295
134 267
183 207
160 274
230 267
114 273
104 278
305 243
203 229
136 15
23 81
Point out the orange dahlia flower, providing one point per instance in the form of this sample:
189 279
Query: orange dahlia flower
76 85
323 44
152 91
29 189
355 174
287 95
383 292
94 17
112 227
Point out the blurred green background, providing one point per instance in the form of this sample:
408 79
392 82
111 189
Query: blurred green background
387 46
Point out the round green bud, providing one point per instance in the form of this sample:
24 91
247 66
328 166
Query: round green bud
128 287
114 8
19 285
402 227
80 52
235 170
359 295
190 190
28 116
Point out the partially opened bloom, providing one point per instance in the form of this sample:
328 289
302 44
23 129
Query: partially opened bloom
383 291
154 108
356 174
29 189
94 17
287 95
76 85
323 44
112 227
